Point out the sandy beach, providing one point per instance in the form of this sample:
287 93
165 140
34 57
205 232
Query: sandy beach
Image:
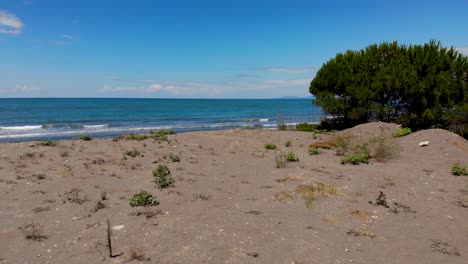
230 202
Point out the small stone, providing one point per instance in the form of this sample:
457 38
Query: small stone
423 143
118 227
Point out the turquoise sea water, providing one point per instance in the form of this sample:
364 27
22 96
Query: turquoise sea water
28 119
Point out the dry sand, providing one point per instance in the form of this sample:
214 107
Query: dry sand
230 203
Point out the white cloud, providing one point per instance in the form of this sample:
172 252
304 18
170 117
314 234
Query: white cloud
9 23
463 50
289 82
166 89
23 88
289 70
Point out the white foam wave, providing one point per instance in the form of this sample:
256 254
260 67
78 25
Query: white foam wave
20 127
264 120
95 126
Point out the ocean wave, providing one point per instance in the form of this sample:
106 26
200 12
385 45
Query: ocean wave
20 127
95 126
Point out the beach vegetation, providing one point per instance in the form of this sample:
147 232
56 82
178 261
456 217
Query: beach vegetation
162 177
280 159
384 149
313 151
306 127
133 153
401 132
360 154
281 123
270 146
85 137
131 136
143 198
48 143
288 143
291 157
174 158
28 155
161 135
343 143
309 192
418 86
326 144
34 232
459 170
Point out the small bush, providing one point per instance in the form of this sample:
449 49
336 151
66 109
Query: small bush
308 127
34 232
161 135
313 151
143 198
270 146
288 143
384 149
280 160
459 170
356 159
327 144
174 158
162 177
402 132
291 157
28 155
132 136
85 137
48 143
343 143
309 192
133 153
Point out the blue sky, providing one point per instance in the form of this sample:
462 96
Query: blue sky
200 49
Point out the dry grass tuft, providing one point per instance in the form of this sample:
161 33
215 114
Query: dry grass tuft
309 192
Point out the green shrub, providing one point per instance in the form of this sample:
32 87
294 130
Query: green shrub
288 143
313 151
310 128
343 143
384 149
291 157
161 135
48 143
162 177
361 154
143 198
133 153
28 155
270 146
403 131
174 158
132 136
85 137
459 170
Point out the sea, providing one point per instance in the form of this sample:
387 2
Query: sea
60 118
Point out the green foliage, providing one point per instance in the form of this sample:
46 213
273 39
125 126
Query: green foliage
288 143
384 149
361 154
313 151
343 143
143 198
291 157
48 143
270 146
28 155
133 153
162 177
459 170
161 135
416 85
309 128
85 137
401 132
132 136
